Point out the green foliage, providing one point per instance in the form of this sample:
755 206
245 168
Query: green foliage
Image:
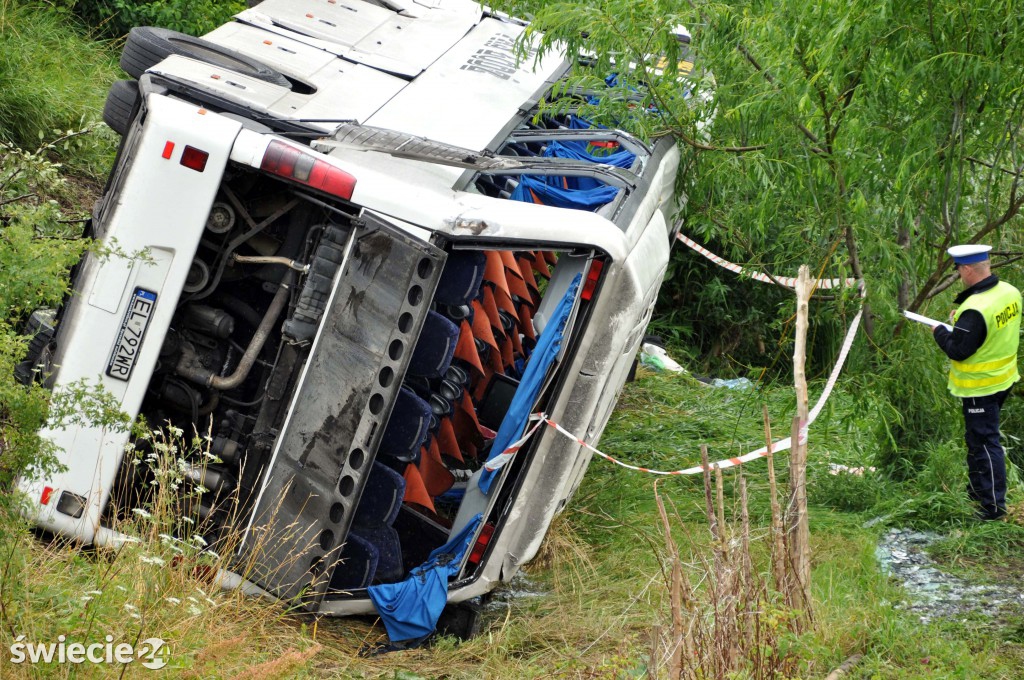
861 139
936 497
114 18
842 490
52 86
36 252
981 540
53 80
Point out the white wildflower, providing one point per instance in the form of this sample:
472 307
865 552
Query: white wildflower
130 607
94 592
142 513
194 610
86 598
152 559
173 600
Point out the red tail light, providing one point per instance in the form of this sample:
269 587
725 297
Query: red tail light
285 160
481 544
593 276
194 159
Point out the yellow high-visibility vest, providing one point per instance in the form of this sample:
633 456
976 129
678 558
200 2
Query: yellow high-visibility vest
993 368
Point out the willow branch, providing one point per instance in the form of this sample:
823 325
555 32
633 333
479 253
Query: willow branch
1012 173
728 149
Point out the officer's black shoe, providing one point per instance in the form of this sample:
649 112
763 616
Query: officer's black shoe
989 513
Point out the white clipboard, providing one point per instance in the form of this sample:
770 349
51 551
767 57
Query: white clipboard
928 322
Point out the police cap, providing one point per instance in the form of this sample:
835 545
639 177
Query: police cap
969 254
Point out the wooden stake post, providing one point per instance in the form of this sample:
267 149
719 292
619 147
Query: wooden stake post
797 528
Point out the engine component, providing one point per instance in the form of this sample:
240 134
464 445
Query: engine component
313 300
270 259
198 276
216 480
227 449
179 395
189 366
209 321
221 219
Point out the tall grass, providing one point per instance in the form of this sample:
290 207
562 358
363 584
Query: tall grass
53 80
161 581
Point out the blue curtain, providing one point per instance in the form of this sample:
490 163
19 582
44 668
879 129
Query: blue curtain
518 415
547 194
581 151
410 609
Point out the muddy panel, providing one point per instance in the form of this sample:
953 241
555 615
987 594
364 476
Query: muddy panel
327 445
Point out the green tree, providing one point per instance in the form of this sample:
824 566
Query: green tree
860 137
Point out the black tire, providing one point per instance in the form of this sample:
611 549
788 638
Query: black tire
117 111
148 45
252 3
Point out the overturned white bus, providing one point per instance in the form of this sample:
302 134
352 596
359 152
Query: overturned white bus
368 260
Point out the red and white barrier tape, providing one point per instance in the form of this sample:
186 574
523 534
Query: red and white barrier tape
781 445
787 281
505 456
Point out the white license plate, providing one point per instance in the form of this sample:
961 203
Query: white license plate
129 339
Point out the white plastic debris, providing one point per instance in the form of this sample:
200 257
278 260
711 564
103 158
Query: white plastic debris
656 357
732 383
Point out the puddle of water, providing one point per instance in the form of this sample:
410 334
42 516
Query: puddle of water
932 593
497 606
520 587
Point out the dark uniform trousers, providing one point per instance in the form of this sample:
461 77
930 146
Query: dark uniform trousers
986 459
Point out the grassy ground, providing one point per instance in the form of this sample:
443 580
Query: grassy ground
604 594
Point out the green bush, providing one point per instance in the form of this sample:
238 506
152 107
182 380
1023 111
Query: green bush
114 18
35 254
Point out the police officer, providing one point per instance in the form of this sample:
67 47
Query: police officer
983 350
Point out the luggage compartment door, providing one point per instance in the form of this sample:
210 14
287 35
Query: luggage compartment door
338 411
